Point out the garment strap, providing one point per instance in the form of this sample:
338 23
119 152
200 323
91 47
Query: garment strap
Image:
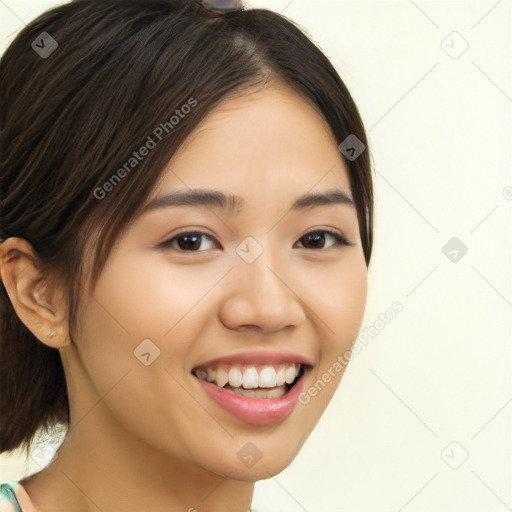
7 492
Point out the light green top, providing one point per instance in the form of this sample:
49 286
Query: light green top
8 501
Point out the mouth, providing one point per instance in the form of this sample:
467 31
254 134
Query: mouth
253 381
257 394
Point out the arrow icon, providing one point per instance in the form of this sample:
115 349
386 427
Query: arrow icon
249 455
351 147
249 252
454 249
454 45
44 45
147 352
454 455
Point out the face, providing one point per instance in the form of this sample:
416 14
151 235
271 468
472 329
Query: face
220 316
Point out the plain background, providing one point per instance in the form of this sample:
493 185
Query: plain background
422 418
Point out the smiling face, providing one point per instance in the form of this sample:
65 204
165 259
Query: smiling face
260 292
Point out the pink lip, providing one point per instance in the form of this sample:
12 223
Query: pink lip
258 358
256 411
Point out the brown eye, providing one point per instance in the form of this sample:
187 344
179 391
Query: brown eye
187 242
317 239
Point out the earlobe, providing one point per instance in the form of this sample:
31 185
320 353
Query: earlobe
37 300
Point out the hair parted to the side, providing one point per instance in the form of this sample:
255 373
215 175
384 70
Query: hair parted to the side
71 120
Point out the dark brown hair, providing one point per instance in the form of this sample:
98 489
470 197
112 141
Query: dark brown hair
71 119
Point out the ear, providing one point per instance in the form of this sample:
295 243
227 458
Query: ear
37 299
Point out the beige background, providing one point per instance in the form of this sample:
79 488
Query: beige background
433 385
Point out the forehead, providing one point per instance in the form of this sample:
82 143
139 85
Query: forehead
274 137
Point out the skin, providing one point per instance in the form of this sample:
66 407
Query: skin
147 437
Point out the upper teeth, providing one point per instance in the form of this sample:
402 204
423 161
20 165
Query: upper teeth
250 376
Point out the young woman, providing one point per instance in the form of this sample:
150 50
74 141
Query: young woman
186 225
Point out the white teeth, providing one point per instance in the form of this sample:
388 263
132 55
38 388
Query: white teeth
267 377
261 393
280 377
211 374
245 392
235 377
222 377
276 393
290 373
250 378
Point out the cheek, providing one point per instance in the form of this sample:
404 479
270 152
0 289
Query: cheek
127 308
134 302
155 300
339 305
338 312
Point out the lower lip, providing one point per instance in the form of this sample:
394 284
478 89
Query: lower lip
255 411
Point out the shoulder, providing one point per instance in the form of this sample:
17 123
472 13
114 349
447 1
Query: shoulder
14 498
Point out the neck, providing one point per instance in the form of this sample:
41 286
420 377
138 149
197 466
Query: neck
101 466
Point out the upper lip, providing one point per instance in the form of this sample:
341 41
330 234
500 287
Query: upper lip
261 357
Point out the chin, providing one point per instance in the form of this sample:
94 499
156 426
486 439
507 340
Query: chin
250 463
260 471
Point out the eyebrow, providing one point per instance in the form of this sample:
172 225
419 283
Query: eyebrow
233 204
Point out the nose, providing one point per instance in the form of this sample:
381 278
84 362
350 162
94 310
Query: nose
261 297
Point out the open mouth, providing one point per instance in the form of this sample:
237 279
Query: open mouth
253 381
